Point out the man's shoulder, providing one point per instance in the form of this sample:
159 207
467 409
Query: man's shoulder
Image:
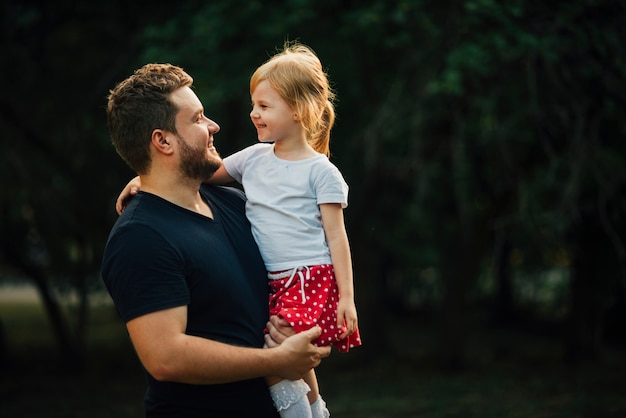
215 192
225 199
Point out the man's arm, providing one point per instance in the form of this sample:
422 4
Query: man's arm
171 355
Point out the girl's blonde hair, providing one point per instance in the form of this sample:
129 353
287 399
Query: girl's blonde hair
297 75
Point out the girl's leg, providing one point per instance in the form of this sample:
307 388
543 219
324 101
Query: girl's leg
311 380
318 406
319 410
289 397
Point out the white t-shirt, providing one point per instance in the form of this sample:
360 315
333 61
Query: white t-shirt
282 204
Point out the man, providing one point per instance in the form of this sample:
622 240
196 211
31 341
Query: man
181 264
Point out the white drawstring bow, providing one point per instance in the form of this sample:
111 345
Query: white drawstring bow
298 271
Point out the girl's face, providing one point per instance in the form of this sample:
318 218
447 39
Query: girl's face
271 115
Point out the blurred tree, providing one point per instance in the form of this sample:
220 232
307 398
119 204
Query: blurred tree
57 162
479 138
481 122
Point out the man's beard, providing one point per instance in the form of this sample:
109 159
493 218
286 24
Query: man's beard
195 164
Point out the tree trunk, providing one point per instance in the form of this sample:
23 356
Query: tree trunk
587 298
71 357
503 311
4 349
460 272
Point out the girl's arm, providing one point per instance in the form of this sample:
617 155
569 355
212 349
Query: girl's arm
221 176
337 239
126 194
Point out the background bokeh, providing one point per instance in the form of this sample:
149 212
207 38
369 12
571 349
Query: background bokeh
483 142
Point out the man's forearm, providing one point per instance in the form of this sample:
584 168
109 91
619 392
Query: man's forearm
201 361
196 360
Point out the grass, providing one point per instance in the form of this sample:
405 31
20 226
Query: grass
394 390
522 377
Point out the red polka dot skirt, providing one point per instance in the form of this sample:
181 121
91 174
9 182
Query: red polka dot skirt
308 296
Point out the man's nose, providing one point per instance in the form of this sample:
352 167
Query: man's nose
213 127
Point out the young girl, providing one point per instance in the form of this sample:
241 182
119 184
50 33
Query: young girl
295 202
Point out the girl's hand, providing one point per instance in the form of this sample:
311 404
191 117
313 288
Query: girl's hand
127 193
346 316
279 330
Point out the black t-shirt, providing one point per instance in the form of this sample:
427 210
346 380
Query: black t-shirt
160 256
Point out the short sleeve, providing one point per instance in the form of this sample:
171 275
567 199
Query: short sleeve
143 273
236 164
330 187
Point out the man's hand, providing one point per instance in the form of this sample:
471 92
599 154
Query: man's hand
301 354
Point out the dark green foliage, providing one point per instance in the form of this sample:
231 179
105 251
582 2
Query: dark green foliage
482 141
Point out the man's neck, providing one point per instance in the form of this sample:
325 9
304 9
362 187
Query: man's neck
181 192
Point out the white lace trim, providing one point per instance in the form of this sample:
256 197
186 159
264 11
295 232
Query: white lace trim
287 392
319 409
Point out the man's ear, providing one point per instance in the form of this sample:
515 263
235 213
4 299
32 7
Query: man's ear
162 141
